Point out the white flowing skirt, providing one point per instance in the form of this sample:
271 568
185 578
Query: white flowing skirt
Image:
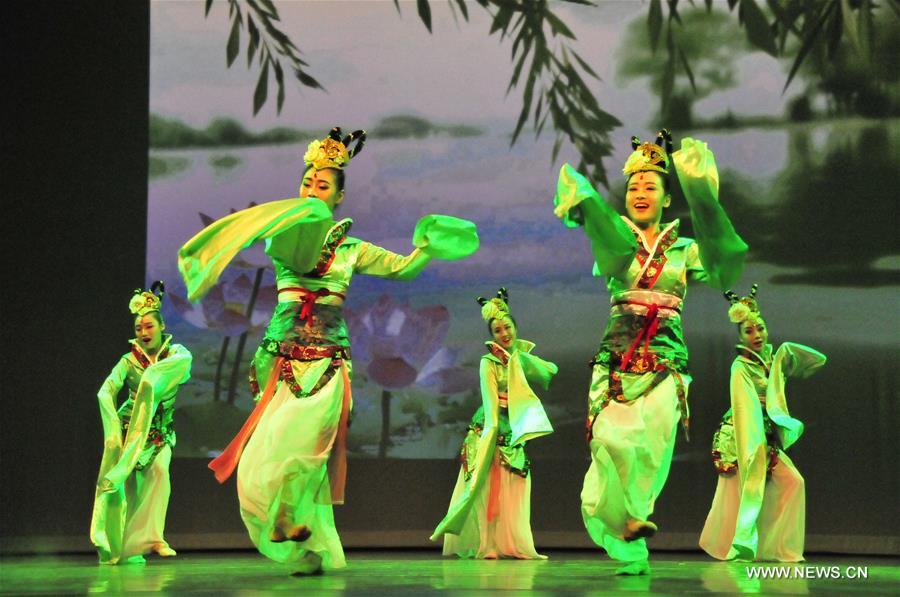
631 451
509 533
284 471
777 534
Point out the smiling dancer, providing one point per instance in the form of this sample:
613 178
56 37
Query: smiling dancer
490 511
640 377
759 510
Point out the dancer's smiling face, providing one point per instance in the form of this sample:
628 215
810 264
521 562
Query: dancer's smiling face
503 329
646 197
148 330
326 185
753 334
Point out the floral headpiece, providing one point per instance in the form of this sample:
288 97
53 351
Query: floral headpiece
332 151
743 308
496 307
649 156
145 301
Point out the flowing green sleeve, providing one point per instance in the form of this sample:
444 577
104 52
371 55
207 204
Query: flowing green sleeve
527 417
446 237
112 427
373 260
203 258
722 251
790 360
158 384
752 455
460 509
577 203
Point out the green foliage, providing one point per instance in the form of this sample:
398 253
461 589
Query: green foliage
799 109
224 162
268 44
406 126
707 44
842 182
168 133
555 83
164 167
853 84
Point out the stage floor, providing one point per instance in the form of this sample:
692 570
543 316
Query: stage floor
422 572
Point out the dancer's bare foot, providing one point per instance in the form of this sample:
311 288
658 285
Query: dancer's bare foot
164 550
309 565
281 533
638 529
491 555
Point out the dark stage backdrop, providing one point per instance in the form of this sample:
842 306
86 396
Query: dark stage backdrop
76 240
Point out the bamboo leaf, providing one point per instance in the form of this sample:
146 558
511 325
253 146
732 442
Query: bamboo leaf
654 23
585 66
557 145
759 32
501 19
424 13
208 6
514 80
673 12
262 89
463 9
307 80
807 44
526 107
851 26
397 6
253 43
557 26
234 40
687 68
279 79
270 8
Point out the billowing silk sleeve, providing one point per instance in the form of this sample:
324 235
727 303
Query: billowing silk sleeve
790 360
112 427
375 261
527 417
158 384
435 236
752 455
722 251
456 517
306 221
612 243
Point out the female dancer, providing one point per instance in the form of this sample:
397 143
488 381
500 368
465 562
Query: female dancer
759 510
490 511
133 485
292 448
640 376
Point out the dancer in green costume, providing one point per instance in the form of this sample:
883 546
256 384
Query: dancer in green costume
290 453
133 487
759 510
640 377
490 511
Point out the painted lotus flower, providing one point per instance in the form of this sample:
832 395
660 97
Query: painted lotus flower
399 346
